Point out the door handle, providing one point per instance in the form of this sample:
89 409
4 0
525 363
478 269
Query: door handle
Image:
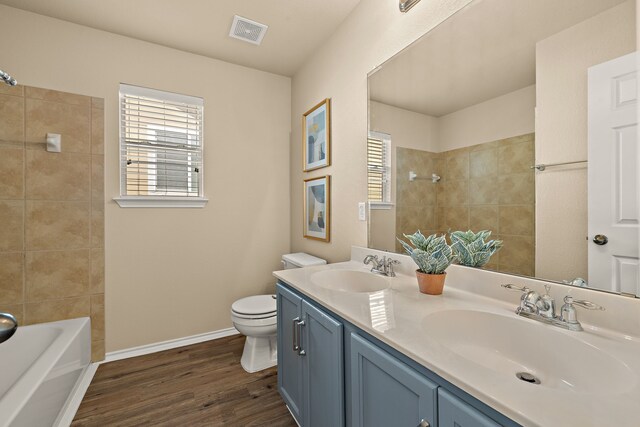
295 336
600 239
424 423
300 324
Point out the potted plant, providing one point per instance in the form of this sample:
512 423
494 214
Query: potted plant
470 248
433 255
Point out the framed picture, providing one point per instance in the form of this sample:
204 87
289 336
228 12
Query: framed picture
316 136
317 213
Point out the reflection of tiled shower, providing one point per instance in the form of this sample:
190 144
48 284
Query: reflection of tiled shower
486 186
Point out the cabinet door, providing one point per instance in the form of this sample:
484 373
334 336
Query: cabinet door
453 412
323 369
289 307
386 392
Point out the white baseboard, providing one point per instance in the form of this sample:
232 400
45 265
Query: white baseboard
167 345
75 399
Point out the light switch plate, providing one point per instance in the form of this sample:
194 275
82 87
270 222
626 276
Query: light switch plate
362 211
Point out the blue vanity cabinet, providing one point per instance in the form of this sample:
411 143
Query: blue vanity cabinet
310 361
386 392
289 306
453 412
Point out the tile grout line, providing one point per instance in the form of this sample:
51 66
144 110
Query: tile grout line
24 207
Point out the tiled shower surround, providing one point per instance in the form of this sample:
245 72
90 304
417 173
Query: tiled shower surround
487 186
52 208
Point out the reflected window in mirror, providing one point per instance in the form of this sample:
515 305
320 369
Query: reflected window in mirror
379 169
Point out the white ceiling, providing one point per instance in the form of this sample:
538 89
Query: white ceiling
296 27
484 51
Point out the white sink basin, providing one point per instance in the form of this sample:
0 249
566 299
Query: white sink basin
507 345
349 281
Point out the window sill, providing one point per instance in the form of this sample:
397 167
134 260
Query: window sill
160 202
380 205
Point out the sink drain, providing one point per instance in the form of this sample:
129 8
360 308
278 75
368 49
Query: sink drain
528 378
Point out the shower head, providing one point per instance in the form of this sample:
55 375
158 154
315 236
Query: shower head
7 79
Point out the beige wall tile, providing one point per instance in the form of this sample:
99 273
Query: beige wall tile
523 270
11 277
11 118
11 172
483 163
517 220
17 310
458 218
57 225
517 189
482 191
11 231
57 96
97 131
97 351
97 317
12 90
97 225
57 274
516 158
54 310
457 167
457 193
58 176
97 103
484 217
97 271
97 178
514 140
73 122
518 251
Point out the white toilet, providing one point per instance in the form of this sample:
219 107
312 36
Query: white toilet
256 318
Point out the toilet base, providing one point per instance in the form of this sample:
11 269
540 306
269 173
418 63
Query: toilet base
259 353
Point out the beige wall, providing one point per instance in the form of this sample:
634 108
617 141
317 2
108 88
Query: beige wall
339 70
561 134
52 208
175 272
498 118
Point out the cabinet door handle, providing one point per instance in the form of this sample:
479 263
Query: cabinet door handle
424 423
295 335
300 324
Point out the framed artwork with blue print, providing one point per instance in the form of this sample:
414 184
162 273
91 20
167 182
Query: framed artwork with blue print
316 136
317 197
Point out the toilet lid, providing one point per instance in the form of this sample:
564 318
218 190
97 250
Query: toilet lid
254 305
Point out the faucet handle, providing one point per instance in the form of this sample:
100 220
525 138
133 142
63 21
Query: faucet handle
583 303
513 287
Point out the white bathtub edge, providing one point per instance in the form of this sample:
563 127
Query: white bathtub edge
75 399
168 345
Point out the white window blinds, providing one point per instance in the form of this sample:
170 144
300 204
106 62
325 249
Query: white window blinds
160 143
379 167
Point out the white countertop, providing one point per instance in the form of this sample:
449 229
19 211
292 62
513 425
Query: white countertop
399 316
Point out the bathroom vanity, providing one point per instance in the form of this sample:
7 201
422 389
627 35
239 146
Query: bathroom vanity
360 349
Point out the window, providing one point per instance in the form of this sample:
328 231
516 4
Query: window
160 149
379 170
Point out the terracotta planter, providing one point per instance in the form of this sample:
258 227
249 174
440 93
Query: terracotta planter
431 284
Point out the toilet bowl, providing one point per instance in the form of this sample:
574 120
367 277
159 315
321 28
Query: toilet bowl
256 318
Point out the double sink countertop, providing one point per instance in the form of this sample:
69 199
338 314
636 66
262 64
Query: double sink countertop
471 337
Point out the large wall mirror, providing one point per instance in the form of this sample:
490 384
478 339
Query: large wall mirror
459 121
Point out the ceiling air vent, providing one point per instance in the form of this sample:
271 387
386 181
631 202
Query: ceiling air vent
247 30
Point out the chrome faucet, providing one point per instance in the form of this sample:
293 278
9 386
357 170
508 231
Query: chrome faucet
543 308
382 266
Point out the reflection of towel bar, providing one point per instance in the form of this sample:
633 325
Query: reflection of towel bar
543 166
434 178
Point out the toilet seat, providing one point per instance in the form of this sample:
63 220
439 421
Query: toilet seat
255 307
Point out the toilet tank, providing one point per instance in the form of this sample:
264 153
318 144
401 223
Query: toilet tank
300 259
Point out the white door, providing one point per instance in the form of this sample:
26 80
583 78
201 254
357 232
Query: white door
613 176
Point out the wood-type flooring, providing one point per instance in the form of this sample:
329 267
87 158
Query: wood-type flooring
197 385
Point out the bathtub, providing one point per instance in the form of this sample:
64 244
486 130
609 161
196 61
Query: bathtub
39 369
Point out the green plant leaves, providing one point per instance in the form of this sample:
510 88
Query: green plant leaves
432 253
471 249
